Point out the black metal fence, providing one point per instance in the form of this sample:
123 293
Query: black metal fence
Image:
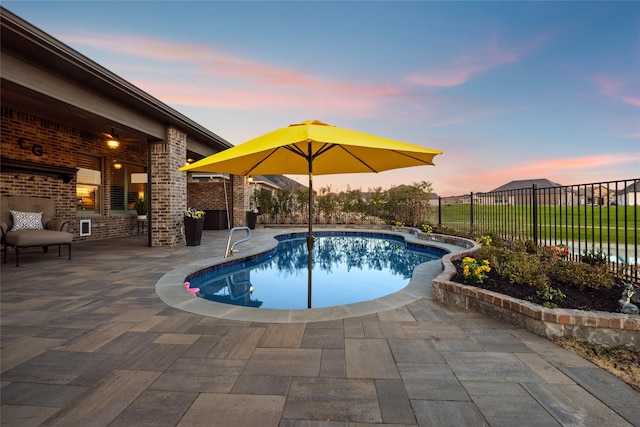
597 220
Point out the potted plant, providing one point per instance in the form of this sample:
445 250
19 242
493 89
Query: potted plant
252 217
193 225
141 208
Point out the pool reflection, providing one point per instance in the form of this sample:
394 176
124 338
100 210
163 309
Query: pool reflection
232 288
346 269
354 252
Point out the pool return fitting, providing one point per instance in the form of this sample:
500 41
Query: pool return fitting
230 247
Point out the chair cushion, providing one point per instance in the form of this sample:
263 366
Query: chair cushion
26 204
26 220
30 238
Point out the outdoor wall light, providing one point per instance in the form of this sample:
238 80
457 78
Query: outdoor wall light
117 165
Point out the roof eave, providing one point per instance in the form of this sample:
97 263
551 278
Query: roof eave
57 55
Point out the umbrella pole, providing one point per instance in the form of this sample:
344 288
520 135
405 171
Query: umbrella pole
310 235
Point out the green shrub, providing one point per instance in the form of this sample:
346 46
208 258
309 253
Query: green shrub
523 268
524 263
530 247
491 253
593 257
551 296
580 275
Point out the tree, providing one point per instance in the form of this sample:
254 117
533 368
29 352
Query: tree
376 200
353 203
327 204
408 203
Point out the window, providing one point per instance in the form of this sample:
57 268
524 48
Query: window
125 193
88 184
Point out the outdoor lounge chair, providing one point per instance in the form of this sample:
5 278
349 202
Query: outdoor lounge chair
28 222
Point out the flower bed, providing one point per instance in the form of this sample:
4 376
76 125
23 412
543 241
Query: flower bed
608 329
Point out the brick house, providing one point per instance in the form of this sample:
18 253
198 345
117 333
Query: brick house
58 108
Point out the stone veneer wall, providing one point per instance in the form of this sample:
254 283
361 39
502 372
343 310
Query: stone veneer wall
60 143
168 189
608 329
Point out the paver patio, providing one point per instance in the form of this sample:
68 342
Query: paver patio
88 342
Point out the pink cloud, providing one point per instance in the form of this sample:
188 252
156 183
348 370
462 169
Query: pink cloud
213 62
210 77
541 167
607 85
468 65
455 175
461 178
615 88
631 101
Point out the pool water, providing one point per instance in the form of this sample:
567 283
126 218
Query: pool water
347 268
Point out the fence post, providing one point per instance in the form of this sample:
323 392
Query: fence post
439 210
534 213
471 214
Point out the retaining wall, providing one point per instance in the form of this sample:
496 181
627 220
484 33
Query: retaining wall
608 329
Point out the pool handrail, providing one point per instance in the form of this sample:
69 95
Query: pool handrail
230 247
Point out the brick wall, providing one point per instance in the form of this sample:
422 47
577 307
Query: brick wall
49 142
59 145
208 195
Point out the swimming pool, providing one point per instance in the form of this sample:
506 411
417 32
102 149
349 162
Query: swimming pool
348 267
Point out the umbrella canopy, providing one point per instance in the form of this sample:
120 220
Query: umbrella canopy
314 148
327 149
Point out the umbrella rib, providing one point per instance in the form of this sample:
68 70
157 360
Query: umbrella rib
326 147
358 159
296 150
412 157
262 160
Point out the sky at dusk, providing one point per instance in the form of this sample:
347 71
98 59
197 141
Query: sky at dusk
507 90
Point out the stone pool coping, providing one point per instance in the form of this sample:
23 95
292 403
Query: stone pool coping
171 291
598 327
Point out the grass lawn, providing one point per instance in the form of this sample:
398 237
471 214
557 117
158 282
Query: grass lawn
585 223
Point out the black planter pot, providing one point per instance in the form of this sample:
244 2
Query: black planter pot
251 220
193 230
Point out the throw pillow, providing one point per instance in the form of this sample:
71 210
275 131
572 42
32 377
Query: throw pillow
26 220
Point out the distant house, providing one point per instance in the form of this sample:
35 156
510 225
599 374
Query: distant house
526 184
629 196
519 192
600 195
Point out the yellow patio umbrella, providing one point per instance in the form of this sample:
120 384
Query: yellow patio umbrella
314 148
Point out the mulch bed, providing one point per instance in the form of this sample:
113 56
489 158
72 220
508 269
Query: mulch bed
602 299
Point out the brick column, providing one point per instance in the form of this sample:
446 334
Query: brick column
168 189
239 201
